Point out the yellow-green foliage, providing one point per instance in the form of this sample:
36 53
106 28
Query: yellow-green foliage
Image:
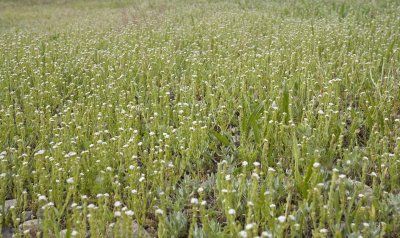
201 118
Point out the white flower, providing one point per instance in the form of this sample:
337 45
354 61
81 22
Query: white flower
159 211
255 175
243 234
74 233
266 234
271 170
129 213
117 213
72 153
281 219
232 211
324 230
316 165
249 226
117 204
40 152
200 190
274 106
42 198
244 163
194 201
70 180
134 191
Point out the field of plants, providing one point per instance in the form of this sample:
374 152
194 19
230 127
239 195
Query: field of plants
200 118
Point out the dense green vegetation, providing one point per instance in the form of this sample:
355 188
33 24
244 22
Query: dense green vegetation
200 118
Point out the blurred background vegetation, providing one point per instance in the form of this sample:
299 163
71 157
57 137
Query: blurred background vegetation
60 15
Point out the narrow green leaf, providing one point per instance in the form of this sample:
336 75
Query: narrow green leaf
252 122
223 139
